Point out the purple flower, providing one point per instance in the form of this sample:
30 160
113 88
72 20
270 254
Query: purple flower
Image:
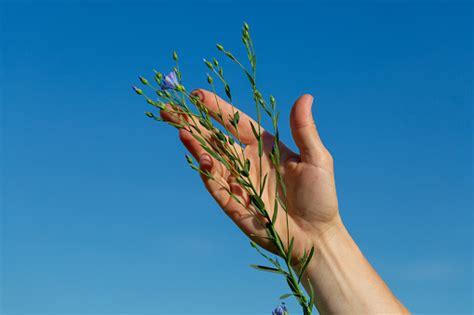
170 81
280 310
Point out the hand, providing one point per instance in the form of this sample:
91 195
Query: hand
308 176
343 280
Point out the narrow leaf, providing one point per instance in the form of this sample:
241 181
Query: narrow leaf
311 300
268 269
305 265
285 296
290 249
254 131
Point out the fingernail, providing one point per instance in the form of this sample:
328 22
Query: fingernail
205 162
198 93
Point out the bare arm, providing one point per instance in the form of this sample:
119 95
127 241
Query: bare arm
344 281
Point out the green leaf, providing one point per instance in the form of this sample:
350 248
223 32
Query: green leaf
290 249
243 182
189 159
285 296
254 131
257 202
311 300
291 284
220 135
275 212
268 269
244 173
305 265
251 79
227 91
263 182
247 165
235 119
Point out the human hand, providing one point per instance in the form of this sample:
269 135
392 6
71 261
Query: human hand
308 176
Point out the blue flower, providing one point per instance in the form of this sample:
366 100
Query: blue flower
280 310
170 81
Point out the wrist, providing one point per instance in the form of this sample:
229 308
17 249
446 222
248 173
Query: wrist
326 235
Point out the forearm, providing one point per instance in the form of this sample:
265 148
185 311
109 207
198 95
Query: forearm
344 282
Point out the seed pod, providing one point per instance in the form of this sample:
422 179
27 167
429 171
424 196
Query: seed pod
143 80
158 77
137 90
272 101
208 64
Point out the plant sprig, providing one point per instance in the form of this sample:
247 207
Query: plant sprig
223 147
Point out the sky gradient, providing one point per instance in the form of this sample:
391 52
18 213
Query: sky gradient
100 213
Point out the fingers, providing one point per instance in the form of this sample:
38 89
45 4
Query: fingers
304 129
207 163
217 105
219 185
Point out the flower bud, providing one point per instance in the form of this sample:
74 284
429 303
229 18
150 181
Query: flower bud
220 47
272 99
143 80
208 64
158 77
149 114
175 56
209 79
137 90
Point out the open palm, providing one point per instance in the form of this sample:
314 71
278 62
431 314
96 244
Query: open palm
308 176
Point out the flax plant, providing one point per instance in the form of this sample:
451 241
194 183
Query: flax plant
171 96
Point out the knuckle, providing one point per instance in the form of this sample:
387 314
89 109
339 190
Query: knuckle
324 157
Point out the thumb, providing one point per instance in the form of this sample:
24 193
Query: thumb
304 130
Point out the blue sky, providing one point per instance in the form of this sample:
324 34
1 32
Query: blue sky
100 213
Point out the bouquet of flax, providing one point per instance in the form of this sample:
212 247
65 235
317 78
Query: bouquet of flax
252 165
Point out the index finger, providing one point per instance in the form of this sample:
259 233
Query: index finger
224 112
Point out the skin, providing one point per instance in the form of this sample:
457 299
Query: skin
343 280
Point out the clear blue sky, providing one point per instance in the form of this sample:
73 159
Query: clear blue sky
100 213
